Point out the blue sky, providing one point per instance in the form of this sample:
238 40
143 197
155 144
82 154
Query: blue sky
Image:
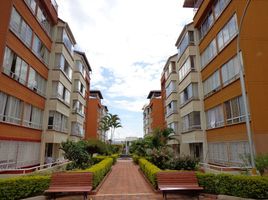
127 43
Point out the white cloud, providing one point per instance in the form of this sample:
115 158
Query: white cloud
130 39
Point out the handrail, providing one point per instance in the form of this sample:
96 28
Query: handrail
224 167
39 167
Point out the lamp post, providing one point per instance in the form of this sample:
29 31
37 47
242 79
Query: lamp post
243 88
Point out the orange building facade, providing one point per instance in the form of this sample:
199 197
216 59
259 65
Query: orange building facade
95 112
25 43
218 24
155 111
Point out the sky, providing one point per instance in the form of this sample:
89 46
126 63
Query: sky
127 43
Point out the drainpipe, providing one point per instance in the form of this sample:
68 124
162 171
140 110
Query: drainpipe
243 88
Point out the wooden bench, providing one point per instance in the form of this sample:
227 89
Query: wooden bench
70 182
177 181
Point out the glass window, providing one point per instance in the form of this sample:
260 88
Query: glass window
31 4
14 66
171 108
79 87
32 116
212 84
230 71
57 122
215 117
21 28
67 42
209 53
219 7
43 19
189 93
218 152
11 109
187 39
36 82
228 32
191 122
77 129
78 107
171 88
60 92
80 67
188 66
40 50
235 111
62 63
206 25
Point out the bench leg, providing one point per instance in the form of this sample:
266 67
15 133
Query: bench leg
85 195
164 195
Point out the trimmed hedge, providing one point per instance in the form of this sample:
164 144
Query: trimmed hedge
135 158
149 170
235 185
99 170
23 186
98 159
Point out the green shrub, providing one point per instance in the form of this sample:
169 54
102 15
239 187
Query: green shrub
97 159
262 163
234 185
135 158
114 157
149 170
23 186
185 163
100 170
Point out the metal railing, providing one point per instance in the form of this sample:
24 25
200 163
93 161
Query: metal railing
223 168
32 169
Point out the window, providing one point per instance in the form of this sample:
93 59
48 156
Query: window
171 108
31 4
228 32
215 117
66 40
206 25
212 84
187 39
80 68
57 122
36 82
43 19
220 6
189 93
239 151
77 129
191 122
218 152
230 71
60 92
40 50
21 28
14 66
187 67
10 109
235 111
18 154
79 87
209 53
173 126
78 107
63 65
32 116
171 88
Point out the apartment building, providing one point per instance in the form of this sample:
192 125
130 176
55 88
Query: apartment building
218 23
146 119
190 95
44 84
96 111
25 47
169 93
154 111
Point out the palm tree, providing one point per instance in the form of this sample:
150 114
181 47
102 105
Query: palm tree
110 122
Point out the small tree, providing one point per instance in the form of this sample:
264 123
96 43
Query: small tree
262 163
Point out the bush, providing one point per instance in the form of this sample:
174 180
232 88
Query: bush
100 170
162 157
97 159
114 157
149 170
23 186
185 163
135 158
235 185
262 163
